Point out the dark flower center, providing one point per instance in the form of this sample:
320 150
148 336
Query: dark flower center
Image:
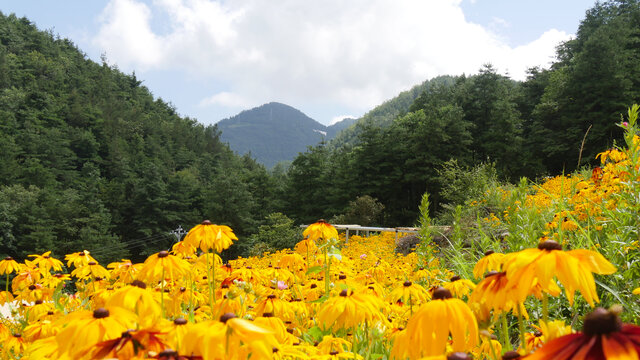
601 322
441 293
206 222
407 283
491 273
344 293
455 278
168 355
139 284
163 254
100 313
227 316
342 277
549 245
267 314
271 296
180 321
458 356
313 286
509 355
92 263
488 252
8 258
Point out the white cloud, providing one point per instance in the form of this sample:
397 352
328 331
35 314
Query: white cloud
354 54
226 99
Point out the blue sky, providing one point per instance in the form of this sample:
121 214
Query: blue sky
330 59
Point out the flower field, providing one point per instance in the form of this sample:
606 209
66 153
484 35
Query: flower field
558 285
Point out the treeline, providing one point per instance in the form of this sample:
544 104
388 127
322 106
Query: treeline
555 121
90 160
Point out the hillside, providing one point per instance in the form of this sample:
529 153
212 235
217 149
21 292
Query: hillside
383 114
275 132
89 159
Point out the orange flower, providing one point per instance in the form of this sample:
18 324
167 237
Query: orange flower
603 336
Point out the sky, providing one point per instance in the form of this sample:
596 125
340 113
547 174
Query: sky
330 59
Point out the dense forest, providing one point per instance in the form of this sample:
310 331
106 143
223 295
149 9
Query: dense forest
90 159
554 122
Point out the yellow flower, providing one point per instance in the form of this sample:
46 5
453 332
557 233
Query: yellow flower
636 291
495 293
573 269
554 329
85 328
409 293
92 270
8 266
46 262
229 337
174 332
459 287
79 259
13 346
208 236
320 230
162 265
429 328
349 310
492 261
137 299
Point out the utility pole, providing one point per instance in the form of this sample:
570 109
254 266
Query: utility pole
178 233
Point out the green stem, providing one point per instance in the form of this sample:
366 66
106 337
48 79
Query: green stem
505 333
7 289
521 327
191 314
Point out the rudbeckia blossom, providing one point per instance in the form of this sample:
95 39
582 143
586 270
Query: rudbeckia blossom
603 336
87 328
573 269
495 292
459 287
409 293
428 329
349 310
46 262
8 266
492 261
208 236
79 259
162 266
230 338
320 230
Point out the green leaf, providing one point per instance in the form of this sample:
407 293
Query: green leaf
314 270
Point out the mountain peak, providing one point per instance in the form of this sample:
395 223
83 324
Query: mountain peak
272 132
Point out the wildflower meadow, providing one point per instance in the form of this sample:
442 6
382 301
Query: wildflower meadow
537 270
